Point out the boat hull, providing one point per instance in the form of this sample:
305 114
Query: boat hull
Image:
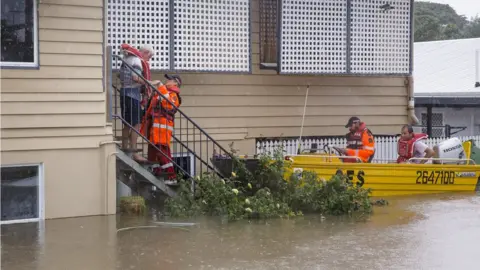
384 180
395 179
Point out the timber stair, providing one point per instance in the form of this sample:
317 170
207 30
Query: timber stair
140 178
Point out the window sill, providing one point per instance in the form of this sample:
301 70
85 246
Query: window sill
271 66
10 65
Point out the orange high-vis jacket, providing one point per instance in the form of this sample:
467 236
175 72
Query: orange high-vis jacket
360 144
159 117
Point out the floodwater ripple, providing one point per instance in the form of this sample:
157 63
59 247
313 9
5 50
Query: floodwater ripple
432 232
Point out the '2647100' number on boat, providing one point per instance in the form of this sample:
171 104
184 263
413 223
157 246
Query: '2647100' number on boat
436 177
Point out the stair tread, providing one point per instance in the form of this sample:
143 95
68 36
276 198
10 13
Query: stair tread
131 150
172 184
147 162
142 174
163 174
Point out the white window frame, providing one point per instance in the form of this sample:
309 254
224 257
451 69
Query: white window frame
192 160
35 63
41 194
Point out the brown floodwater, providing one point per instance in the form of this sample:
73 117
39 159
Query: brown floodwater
433 232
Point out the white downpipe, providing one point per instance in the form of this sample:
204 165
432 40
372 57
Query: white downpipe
109 142
106 181
106 171
411 101
477 66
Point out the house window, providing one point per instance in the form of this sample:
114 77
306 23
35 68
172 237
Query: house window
211 35
19 33
138 23
21 193
268 33
438 129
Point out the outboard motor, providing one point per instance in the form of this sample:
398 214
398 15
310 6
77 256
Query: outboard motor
449 149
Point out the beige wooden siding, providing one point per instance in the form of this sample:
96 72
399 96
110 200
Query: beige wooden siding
272 105
61 104
264 104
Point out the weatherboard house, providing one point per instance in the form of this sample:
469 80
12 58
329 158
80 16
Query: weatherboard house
245 67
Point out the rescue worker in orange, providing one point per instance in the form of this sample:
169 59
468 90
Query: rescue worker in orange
158 125
360 142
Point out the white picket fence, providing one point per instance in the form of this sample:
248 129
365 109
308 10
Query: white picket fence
385 147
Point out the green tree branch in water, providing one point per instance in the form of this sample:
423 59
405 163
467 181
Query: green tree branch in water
264 193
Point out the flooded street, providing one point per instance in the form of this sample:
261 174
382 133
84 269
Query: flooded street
435 232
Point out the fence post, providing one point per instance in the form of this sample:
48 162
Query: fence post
429 120
448 130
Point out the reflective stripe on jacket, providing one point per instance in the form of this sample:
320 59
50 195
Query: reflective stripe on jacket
159 119
360 144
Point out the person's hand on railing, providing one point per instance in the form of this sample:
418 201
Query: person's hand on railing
156 83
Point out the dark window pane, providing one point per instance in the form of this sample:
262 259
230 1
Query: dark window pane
17 31
19 192
184 161
268 31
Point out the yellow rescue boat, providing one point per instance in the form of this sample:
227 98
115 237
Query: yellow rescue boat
385 179
392 179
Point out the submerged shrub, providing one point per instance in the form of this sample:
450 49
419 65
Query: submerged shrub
264 193
132 205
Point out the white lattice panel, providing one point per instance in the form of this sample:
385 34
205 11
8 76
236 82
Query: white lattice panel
139 22
212 35
380 38
313 38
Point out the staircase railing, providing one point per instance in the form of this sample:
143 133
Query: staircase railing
191 146
144 152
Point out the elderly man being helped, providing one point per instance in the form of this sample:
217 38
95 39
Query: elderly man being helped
132 89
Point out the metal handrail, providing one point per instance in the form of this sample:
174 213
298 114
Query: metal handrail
158 149
149 142
171 103
181 143
195 126
445 159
